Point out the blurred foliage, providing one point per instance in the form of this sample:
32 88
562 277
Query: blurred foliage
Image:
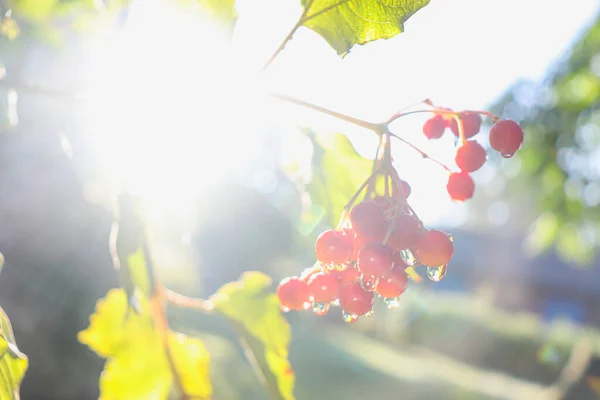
137 365
254 311
337 173
13 363
559 165
351 22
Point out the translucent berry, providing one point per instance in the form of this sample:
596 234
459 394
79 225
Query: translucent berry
434 127
506 137
333 247
470 156
357 245
368 221
460 186
349 275
434 248
471 124
404 189
324 287
393 284
293 293
375 259
407 230
308 272
354 300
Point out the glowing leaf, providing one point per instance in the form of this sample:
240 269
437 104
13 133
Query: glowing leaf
222 10
338 172
346 23
137 365
255 313
13 363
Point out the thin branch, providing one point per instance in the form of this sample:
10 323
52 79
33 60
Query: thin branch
20 87
400 114
183 301
289 36
423 154
377 128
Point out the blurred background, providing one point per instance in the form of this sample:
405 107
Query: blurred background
98 96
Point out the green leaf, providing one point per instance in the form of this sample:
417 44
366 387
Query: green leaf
221 10
338 172
255 313
345 24
137 366
13 363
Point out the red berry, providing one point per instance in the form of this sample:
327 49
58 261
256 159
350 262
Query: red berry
349 275
375 259
383 202
470 156
324 287
355 300
471 124
357 245
506 137
434 127
407 230
434 248
404 189
308 272
398 261
367 220
333 247
393 284
293 293
460 186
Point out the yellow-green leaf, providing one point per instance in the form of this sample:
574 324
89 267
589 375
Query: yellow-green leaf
13 363
137 366
254 310
346 23
221 10
337 173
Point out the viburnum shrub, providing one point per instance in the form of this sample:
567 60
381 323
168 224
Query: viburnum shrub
370 254
379 238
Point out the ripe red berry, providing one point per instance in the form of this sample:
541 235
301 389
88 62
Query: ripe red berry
404 189
434 127
406 231
470 156
357 245
293 293
355 300
367 220
349 275
308 272
471 124
393 284
375 259
324 287
398 261
434 248
333 247
506 137
460 186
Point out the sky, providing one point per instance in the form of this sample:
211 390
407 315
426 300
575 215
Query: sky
462 54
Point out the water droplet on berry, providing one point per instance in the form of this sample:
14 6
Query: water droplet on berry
392 302
368 282
284 308
436 274
320 309
341 267
451 237
409 258
371 312
1 261
306 305
349 318
507 155
335 303
330 267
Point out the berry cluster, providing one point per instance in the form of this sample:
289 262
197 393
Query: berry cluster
368 255
379 241
506 137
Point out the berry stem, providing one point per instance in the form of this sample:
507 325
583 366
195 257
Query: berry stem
350 203
439 111
377 128
423 154
183 301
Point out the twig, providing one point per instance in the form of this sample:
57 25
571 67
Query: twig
423 154
183 301
377 128
289 36
394 117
